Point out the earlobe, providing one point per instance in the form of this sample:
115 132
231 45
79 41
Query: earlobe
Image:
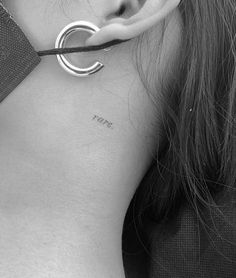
152 12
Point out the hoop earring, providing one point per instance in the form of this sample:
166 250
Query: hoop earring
60 43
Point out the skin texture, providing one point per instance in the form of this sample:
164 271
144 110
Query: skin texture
73 150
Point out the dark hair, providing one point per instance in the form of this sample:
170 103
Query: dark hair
196 164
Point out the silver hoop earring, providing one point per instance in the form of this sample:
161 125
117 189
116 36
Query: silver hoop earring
60 43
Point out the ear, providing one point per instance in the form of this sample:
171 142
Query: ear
143 18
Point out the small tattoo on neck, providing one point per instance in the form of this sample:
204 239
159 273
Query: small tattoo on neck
102 121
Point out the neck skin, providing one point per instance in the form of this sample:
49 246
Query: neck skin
52 243
66 179
62 216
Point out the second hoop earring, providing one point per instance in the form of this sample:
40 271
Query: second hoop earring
60 43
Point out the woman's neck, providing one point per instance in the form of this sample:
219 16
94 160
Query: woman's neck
66 178
52 227
63 216
43 244
48 230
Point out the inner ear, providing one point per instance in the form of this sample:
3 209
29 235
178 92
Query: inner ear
121 10
127 9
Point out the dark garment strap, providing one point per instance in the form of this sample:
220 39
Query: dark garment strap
17 56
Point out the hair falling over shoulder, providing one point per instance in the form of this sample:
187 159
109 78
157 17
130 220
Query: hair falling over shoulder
198 161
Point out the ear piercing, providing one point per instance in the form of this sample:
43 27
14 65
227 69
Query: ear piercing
61 41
